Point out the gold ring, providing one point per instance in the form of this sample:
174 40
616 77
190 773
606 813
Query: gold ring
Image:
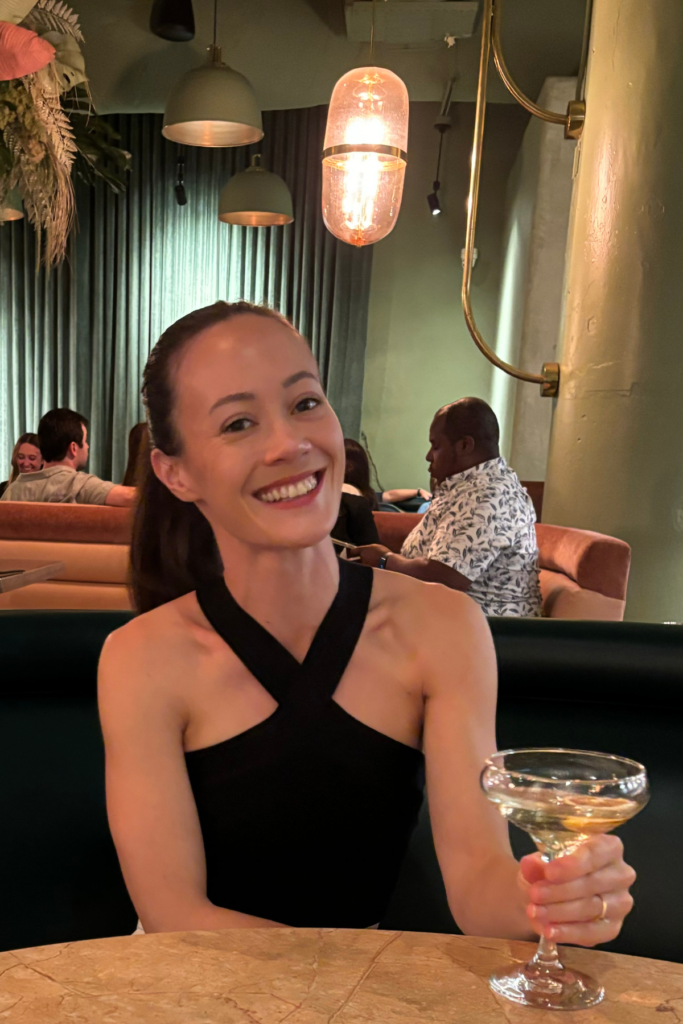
602 916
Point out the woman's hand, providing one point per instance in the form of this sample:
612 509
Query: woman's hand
566 895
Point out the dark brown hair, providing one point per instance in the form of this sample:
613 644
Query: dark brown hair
138 454
357 472
174 549
58 429
24 439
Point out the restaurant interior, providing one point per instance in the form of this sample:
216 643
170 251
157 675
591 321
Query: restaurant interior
447 199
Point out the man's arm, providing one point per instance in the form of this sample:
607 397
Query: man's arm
427 569
120 496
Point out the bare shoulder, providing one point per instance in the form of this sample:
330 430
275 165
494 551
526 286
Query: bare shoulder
151 649
445 631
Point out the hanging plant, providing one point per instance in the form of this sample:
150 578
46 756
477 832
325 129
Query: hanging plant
48 126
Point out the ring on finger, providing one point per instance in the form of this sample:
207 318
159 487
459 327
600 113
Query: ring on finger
602 916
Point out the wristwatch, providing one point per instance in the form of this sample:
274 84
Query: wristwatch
382 564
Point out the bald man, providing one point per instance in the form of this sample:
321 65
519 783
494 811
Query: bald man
479 533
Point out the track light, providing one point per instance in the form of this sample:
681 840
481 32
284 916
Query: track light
433 199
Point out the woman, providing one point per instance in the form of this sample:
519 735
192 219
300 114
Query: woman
357 472
265 717
138 454
26 458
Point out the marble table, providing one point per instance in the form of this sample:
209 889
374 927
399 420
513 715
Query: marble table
306 976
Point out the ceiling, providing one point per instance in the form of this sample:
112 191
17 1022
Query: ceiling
293 51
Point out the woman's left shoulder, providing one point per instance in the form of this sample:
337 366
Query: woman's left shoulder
426 608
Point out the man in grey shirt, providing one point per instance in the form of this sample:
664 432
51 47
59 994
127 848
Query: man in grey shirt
63 437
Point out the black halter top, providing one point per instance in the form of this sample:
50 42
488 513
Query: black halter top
305 817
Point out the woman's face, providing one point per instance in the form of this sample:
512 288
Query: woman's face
263 452
29 459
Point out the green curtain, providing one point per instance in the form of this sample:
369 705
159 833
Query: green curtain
80 336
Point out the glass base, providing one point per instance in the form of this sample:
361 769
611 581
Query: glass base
546 987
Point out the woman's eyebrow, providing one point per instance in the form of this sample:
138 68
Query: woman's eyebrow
296 377
238 396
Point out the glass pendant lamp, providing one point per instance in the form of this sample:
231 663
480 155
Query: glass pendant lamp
365 155
213 105
256 198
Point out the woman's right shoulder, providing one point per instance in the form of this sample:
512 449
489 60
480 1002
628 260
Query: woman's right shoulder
157 643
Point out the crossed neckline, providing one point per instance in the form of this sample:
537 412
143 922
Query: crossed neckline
287 680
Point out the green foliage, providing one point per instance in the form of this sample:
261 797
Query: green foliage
99 155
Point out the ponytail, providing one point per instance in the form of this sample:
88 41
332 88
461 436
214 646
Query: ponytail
174 550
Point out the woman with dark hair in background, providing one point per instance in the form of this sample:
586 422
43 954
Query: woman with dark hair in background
265 717
26 458
138 454
358 500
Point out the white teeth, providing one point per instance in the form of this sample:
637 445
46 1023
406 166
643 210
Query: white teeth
289 491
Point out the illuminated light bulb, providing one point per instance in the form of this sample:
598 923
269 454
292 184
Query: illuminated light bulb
364 159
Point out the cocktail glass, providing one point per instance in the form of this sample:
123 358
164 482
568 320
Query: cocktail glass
561 798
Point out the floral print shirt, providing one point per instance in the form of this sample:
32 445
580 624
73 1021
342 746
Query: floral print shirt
482 524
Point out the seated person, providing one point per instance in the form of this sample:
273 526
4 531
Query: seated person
357 472
268 714
63 440
26 458
478 534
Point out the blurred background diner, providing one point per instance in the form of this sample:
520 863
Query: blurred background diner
499 340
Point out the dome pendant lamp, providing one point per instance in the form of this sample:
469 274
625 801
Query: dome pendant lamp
364 159
12 208
213 105
256 198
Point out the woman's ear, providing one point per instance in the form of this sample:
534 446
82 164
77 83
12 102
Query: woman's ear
168 469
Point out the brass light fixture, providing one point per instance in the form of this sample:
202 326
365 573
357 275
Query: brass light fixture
573 120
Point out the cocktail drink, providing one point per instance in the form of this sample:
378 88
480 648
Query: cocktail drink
561 798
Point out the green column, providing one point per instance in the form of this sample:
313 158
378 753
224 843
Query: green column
616 454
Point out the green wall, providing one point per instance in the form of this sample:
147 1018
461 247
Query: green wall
419 354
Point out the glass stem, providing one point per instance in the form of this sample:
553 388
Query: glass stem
547 958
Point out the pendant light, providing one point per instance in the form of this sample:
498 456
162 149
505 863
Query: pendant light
364 159
213 105
173 20
256 198
12 208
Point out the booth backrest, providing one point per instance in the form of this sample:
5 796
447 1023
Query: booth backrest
584 575
91 540
592 685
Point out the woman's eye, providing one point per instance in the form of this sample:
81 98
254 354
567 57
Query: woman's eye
306 404
237 426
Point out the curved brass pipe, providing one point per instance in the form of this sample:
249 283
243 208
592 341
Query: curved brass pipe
573 118
549 378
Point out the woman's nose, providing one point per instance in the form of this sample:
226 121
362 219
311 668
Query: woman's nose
285 442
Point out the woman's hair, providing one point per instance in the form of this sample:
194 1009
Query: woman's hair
24 439
357 471
174 550
138 454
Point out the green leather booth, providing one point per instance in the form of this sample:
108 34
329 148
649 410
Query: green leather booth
601 686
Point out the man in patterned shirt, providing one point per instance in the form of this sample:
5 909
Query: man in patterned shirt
479 533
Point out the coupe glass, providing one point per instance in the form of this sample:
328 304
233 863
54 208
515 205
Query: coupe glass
561 798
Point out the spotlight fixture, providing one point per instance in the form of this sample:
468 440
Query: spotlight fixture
180 193
433 199
442 124
173 20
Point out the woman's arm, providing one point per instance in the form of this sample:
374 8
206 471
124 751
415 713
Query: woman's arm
404 494
488 892
152 813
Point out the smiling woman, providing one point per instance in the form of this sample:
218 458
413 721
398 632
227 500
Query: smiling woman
265 720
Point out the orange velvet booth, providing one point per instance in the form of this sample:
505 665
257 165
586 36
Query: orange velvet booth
91 540
584 575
